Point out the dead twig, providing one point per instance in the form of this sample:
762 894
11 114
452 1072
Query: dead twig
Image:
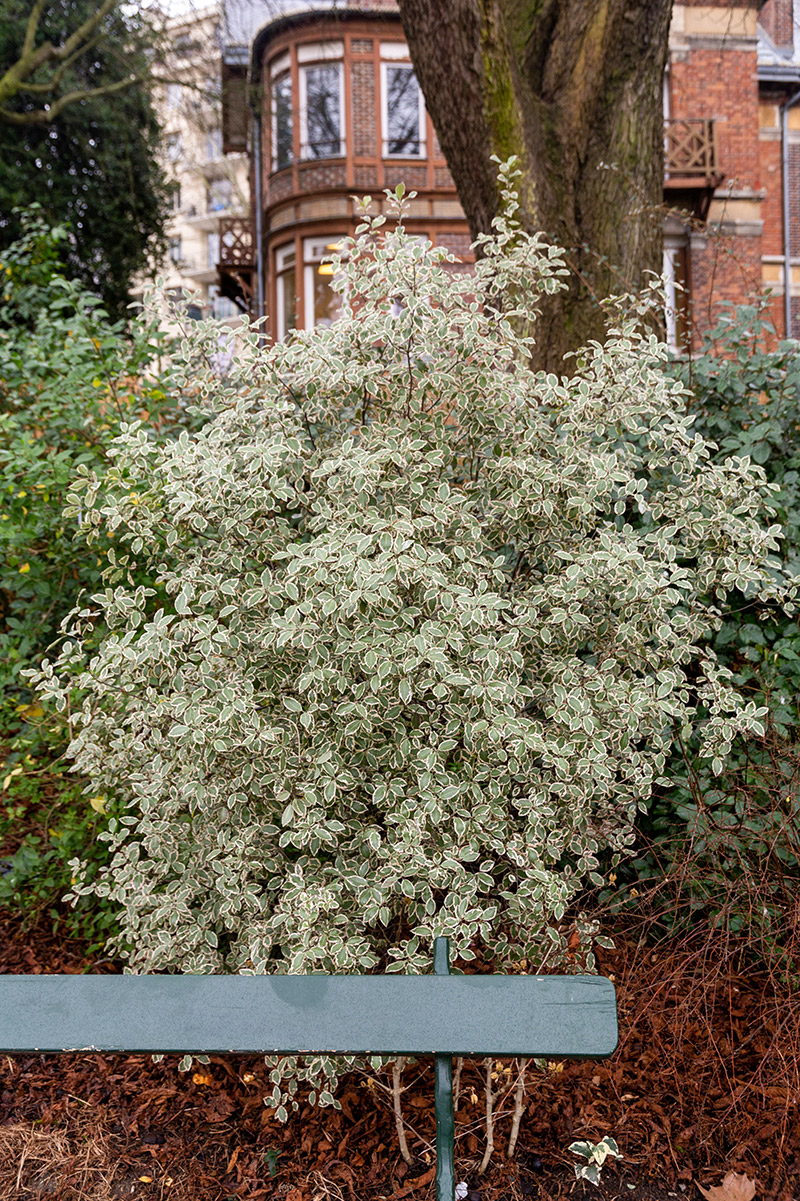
487 1155
457 1082
519 1098
397 1071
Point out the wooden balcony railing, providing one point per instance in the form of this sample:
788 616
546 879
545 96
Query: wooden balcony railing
236 248
690 150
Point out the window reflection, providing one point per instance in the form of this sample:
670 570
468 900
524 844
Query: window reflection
322 136
282 122
402 111
323 305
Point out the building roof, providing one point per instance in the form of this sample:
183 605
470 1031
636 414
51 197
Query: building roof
247 22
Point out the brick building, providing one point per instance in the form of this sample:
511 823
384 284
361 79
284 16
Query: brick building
334 109
336 112
734 69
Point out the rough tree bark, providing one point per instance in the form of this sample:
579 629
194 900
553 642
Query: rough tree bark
574 89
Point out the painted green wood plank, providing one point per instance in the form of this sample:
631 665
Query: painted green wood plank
550 1016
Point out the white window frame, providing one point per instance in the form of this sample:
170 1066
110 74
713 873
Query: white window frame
280 64
314 251
422 153
304 69
282 264
395 51
318 52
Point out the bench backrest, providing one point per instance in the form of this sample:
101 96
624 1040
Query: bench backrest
549 1016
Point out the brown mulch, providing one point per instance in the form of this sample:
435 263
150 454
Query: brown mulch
706 1081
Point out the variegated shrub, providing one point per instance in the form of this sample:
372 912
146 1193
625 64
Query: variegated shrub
424 624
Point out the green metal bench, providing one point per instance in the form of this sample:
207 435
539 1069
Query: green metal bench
555 1017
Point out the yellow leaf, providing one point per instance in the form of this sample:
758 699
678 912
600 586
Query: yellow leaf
202 1078
98 803
24 568
97 383
146 1179
21 494
15 771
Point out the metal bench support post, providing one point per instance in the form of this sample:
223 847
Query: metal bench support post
445 1121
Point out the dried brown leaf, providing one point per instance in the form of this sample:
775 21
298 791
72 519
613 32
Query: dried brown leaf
735 1187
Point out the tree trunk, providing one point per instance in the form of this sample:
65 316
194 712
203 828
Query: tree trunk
574 89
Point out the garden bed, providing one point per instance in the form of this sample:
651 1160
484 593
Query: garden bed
704 1082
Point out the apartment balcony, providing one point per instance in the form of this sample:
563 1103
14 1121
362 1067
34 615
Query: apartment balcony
691 167
236 242
237 260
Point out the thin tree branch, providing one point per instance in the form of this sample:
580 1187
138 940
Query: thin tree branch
41 116
14 80
81 34
31 27
52 84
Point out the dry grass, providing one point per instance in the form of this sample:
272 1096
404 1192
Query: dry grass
70 1164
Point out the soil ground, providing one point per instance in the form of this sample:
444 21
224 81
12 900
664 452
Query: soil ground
704 1082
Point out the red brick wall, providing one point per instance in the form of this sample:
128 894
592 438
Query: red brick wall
322 175
723 84
776 19
279 186
716 76
770 153
364 128
457 243
723 268
413 176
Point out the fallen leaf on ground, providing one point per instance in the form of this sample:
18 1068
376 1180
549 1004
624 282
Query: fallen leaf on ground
418 1183
735 1187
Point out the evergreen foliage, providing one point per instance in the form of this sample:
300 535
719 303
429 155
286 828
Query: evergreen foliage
95 167
69 376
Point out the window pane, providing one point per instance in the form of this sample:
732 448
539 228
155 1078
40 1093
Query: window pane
323 127
213 145
212 250
327 303
402 111
282 125
220 195
287 303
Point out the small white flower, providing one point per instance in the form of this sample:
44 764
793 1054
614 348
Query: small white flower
461 1191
